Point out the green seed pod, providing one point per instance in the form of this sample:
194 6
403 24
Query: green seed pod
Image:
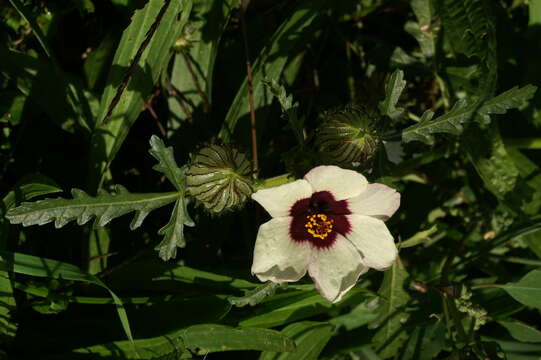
219 178
348 137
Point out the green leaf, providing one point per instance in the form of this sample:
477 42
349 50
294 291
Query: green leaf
463 111
192 71
105 207
391 334
419 237
190 275
57 94
522 331
199 339
43 267
468 26
451 122
173 231
514 98
255 296
107 138
527 290
166 162
27 189
535 12
34 26
292 306
393 89
289 108
360 315
499 171
271 62
310 337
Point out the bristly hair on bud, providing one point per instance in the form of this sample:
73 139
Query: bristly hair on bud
219 178
348 137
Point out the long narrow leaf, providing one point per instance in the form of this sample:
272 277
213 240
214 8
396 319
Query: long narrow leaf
18 5
191 75
270 63
42 267
200 339
30 187
107 138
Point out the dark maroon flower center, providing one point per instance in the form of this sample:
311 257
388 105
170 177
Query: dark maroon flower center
319 219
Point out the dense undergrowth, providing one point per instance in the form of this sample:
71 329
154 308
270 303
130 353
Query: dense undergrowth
192 105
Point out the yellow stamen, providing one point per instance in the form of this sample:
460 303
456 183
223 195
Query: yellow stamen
318 225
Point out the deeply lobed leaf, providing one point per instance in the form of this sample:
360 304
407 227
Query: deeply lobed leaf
83 207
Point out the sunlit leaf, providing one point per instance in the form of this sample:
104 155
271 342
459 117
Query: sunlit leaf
393 89
83 207
310 337
107 138
527 290
199 339
522 331
391 333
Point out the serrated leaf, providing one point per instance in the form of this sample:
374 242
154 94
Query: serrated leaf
289 108
173 231
199 339
468 26
83 207
107 138
391 334
43 267
450 122
500 173
463 111
166 162
514 98
255 296
393 89
522 331
310 337
527 290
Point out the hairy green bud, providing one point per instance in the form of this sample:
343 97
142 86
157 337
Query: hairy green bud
219 178
348 137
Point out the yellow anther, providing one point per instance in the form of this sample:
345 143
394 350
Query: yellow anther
318 226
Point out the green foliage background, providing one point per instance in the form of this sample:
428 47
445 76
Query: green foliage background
442 105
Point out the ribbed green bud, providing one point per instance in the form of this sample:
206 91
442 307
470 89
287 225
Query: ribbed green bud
348 137
219 178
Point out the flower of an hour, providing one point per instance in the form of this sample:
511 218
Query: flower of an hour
329 224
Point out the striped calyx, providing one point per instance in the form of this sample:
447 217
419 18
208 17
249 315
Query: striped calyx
348 137
219 178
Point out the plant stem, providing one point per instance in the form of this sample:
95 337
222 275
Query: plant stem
274 181
255 165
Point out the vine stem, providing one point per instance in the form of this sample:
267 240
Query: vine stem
255 164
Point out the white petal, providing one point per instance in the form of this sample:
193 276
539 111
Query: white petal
376 200
374 241
278 200
342 183
335 270
277 257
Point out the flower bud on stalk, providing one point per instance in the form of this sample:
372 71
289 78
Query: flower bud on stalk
219 178
348 137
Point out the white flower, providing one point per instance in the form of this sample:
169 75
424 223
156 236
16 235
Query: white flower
330 224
